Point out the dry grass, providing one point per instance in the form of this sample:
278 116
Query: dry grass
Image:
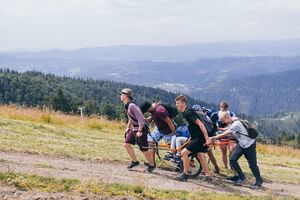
57 118
56 134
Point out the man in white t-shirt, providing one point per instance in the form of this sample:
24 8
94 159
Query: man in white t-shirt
246 146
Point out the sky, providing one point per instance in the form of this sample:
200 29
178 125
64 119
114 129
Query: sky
72 24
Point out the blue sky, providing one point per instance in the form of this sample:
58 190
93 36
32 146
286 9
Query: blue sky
71 24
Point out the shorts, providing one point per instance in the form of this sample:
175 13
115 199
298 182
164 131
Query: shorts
196 146
142 142
157 135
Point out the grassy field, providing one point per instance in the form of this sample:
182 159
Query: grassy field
47 184
54 134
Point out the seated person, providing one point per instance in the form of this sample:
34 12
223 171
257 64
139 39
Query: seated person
182 135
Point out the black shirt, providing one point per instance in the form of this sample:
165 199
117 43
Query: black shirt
191 116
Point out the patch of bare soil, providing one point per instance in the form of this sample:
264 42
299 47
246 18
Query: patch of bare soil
117 173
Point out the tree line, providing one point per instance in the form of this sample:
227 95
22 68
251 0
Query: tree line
66 94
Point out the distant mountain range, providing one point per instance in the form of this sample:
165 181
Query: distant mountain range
200 70
191 52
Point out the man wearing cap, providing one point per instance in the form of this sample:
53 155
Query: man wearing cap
136 131
165 127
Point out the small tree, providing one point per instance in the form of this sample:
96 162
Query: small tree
90 108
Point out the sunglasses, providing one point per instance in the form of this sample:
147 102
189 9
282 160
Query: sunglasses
123 93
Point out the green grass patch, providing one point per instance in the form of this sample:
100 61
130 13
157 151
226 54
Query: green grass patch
46 184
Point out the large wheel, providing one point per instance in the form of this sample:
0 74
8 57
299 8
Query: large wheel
195 166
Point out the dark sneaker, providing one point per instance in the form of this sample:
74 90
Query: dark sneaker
233 178
217 170
169 156
151 168
146 164
133 164
182 177
239 182
256 185
177 159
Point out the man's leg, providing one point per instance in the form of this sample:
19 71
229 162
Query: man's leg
204 164
186 160
250 154
130 151
143 145
149 157
213 160
236 154
129 141
180 141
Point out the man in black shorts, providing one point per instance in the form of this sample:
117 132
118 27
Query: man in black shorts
198 142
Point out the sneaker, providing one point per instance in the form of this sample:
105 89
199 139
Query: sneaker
177 159
182 177
133 164
239 182
146 164
256 185
169 156
233 178
217 170
151 168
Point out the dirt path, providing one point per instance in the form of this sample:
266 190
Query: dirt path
117 173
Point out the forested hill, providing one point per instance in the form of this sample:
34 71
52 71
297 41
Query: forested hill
258 95
67 94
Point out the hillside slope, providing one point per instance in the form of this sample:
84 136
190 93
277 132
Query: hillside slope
258 95
85 155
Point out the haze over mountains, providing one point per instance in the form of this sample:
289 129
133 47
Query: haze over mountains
196 69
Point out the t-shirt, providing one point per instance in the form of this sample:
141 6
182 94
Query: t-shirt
159 115
135 115
236 128
191 116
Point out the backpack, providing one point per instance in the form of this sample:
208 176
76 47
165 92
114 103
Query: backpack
173 112
207 123
251 129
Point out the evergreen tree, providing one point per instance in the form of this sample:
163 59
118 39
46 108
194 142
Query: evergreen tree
61 102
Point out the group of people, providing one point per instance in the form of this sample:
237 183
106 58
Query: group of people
198 139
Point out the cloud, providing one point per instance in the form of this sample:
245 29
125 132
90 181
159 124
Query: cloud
82 23
168 21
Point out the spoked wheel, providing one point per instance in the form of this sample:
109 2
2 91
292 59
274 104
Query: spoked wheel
195 166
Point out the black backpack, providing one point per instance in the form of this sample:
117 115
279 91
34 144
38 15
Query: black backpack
173 112
207 123
251 129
